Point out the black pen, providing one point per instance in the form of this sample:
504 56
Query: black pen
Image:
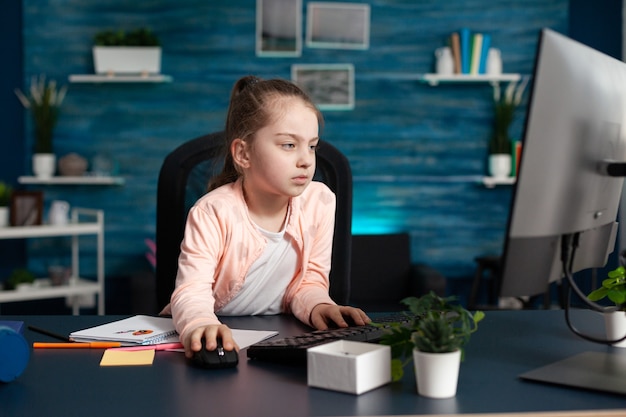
48 333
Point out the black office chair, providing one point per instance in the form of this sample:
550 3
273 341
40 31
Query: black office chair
382 273
183 179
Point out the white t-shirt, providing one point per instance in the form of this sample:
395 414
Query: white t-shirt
267 279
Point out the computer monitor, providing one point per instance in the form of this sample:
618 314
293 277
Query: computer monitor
570 178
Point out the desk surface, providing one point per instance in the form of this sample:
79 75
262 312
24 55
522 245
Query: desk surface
508 343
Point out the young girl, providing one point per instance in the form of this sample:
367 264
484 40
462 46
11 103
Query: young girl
260 241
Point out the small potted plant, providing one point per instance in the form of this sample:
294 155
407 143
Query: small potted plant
20 279
5 200
131 52
614 288
500 145
44 101
434 339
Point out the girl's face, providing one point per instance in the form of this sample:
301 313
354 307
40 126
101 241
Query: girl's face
280 161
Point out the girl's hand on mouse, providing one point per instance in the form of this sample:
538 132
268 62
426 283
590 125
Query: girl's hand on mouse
324 315
193 342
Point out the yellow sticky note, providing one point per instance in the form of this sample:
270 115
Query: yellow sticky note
127 358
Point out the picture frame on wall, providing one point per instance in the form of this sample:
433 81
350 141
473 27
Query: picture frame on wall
26 208
278 28
338 25
330 86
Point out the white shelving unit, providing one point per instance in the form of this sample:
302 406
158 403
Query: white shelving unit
69 180
83 222
436 79
105 78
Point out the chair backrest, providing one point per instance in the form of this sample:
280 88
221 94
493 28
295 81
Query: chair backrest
183 179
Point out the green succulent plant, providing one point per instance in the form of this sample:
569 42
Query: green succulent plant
439 325
138 37
19 276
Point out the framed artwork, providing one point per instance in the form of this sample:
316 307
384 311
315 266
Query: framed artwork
330 86
338 25
278 28
26 208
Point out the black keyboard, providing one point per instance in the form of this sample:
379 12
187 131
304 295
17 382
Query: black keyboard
292 349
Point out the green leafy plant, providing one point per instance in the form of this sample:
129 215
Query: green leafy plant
613 288
440 325
44 101
138 37
19 276
504 106
5 194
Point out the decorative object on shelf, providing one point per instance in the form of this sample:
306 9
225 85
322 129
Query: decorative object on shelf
614 288
72 165
500 145
44 102
59 275
133 52
441 326
444 61
19 279
494 62
59 212
26 208
5 199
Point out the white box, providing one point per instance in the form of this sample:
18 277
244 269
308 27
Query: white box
353 367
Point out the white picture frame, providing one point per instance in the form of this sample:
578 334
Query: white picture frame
338 25
278 28
330 86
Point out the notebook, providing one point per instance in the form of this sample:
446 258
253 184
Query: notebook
135 330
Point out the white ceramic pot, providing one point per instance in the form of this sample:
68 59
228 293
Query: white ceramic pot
127 59
615 324
436 374
44 165
4 216
500 165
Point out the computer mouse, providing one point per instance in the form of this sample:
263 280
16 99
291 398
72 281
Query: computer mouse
219 358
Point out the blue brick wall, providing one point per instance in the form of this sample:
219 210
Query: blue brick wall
415 150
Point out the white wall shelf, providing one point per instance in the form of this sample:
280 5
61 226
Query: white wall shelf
436 79
83 222
71 180
105 78
491 182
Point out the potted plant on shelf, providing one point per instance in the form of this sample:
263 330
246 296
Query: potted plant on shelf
44 102
434 339
500 144
5 200
614 288
132 52
20 279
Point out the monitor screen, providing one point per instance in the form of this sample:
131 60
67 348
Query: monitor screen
574 130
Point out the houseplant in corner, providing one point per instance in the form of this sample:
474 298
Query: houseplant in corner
44 100
132 52
500 145
614 288
434 339
5 199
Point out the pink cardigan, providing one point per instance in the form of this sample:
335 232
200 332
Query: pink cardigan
221 243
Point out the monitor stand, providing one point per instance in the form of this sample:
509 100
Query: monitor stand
599 371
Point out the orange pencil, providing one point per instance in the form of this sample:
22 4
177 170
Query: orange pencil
76 345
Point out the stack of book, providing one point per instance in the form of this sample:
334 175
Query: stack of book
469 51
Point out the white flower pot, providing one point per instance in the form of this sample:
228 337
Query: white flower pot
4 216
500 165
436 374
127 59
44 165
615 324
